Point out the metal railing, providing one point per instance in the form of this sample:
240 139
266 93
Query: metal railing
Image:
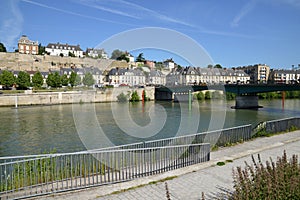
217 137
281 125
52 173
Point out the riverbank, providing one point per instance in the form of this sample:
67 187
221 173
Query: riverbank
29 98
190 182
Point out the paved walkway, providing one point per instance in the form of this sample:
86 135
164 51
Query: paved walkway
190 182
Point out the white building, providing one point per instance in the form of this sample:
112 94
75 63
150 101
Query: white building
96 53
169 64
156 77
63 49
130 77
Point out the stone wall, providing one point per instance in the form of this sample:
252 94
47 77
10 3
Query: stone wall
49 98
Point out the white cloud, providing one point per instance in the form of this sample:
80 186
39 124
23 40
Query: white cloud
135 10
243 13
11 25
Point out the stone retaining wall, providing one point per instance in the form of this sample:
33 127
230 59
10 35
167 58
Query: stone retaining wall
48 98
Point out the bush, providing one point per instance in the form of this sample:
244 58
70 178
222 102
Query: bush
122 97
207 95
274 180
200 96
134 97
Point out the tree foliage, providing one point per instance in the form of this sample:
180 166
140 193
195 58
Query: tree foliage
88 79
64 80
37 80
71 54
42 49
123 57
72 78
140 58
135 97
218 66
2 47
7 78
23 80
54 80
122 97
116 54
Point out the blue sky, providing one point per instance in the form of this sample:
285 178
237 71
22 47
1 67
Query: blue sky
232 32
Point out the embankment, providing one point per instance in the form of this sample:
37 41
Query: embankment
90 96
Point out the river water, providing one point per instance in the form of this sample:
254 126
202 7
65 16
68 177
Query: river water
69 128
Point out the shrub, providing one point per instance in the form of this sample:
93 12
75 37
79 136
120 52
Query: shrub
207 95
274 180
200 96
134 97
122 97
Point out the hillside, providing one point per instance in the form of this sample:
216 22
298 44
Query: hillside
17 61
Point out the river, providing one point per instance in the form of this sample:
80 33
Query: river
69 128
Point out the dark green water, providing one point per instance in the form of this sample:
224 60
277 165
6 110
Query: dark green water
68 128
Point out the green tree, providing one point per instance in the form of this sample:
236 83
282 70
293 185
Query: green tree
42 50
116 54
54 80
88 79
123 57
72 78
7 78
140 58
134 97
64 80
210 66
37 80
23 80
218 66
77 80
71 54
2 47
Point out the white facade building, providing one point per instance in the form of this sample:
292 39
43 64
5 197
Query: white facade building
63 49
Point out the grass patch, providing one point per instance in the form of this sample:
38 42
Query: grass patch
220 163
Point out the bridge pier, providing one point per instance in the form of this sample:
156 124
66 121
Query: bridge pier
246 102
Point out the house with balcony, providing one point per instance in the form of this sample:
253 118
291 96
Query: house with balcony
64 50
259 73
27 46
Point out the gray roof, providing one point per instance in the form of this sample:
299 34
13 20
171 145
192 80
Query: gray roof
59 46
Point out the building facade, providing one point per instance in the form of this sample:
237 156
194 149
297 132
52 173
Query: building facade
258 73
284 76
64 50
96 53
27 46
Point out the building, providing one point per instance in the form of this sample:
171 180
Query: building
150 64
284 76
123 76
258 73
197 75
27 46
129 56
169 64
96 53
64 50
156 77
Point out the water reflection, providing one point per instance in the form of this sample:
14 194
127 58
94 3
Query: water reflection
32 130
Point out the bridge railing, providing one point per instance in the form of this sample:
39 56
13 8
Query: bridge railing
281 125
53 173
